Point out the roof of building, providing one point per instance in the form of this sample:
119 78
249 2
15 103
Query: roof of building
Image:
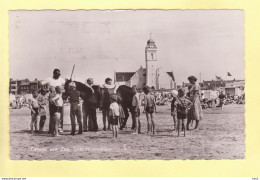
12 80
123 76
25 84
34 81
126 76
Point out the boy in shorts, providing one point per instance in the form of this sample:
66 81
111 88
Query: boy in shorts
75 108
183 104
58 102
114 115
149 105
136 110
34 107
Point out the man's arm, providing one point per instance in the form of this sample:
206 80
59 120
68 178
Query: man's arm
30 107
189 104
137 103
90 87
46 81
116 87
145 103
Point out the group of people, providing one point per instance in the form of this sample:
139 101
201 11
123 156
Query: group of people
185 108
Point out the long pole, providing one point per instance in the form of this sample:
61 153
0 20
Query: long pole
72 71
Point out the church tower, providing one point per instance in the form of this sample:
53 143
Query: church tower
151 64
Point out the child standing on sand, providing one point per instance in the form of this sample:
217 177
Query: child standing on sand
183 104
149 105
136 110
75 108
34 107
114 115
58 102
174 108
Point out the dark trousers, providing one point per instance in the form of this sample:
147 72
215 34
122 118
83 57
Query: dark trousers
75 111
89 117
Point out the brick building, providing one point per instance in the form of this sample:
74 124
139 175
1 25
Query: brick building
24 86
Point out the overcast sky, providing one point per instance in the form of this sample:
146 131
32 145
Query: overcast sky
190 42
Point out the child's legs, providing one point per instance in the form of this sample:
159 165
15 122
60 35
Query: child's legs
178 125
138 125
36 122
56 119
116 130
222 106
174 122
113 130
148 121
152 123
33 121
184 125
61 118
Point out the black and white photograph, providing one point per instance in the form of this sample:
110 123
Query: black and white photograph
126 85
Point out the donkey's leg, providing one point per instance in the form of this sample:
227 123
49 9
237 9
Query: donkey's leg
126 116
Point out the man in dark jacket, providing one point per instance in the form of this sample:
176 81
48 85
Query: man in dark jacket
89 109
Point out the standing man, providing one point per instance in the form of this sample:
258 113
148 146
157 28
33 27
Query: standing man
107 89
89 109
222 100
54 81
136 111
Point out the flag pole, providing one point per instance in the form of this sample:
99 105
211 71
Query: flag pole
72 72
225 83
